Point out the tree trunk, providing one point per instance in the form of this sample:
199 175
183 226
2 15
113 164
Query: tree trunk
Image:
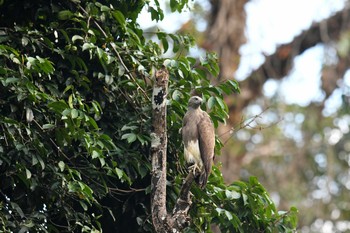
225 33
158 151
178 219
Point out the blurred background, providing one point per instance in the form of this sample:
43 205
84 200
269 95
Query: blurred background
289 126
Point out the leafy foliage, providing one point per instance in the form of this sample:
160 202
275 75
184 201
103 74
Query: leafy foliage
241 207
75 87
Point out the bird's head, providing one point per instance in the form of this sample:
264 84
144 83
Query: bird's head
195 102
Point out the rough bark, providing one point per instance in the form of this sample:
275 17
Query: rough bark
178 219
158 151
183 204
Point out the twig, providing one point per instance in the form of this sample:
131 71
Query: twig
247 124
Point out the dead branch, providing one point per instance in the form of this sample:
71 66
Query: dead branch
162 220
158 152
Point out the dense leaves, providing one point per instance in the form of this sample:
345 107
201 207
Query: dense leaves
75 87
241 207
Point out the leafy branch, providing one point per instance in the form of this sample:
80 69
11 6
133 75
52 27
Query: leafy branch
114 48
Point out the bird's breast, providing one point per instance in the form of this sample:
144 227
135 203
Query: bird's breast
192 153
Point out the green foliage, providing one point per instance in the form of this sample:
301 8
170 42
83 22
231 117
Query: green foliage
239 207
75 87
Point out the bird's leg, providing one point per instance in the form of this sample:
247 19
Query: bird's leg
193 168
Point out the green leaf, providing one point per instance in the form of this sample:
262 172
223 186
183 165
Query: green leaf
102 161
129 127
131 137
34 160
95 154
119 172
82 204
156 14
211 102
88 46
86 190
66 112
61 165
228 215
41 161
77 37
245 199
234 85
74 113
18 209
100 52
232 194
176 95
109 79
28 174
58 106
165 44
11 80
219 210
221 103
65 15
48 126
105 8
93 123
119 17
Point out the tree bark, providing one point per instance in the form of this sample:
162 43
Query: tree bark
225 34
178 219
158 151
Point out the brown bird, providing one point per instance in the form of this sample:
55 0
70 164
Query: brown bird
198 136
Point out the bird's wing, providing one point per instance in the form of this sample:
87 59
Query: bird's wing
188 128
206 135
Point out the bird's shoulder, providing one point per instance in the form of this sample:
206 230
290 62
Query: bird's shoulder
193 114
206 120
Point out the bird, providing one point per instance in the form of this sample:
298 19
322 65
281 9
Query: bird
198 135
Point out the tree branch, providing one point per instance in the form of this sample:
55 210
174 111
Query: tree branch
278 65
183 204
162 220
158 151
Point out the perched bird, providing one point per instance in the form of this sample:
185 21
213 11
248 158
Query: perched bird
198 136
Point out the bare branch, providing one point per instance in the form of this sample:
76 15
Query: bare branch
183 204
162 220
246 123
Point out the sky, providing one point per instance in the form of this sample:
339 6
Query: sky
266 28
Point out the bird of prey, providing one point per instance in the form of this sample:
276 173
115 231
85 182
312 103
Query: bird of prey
198 136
